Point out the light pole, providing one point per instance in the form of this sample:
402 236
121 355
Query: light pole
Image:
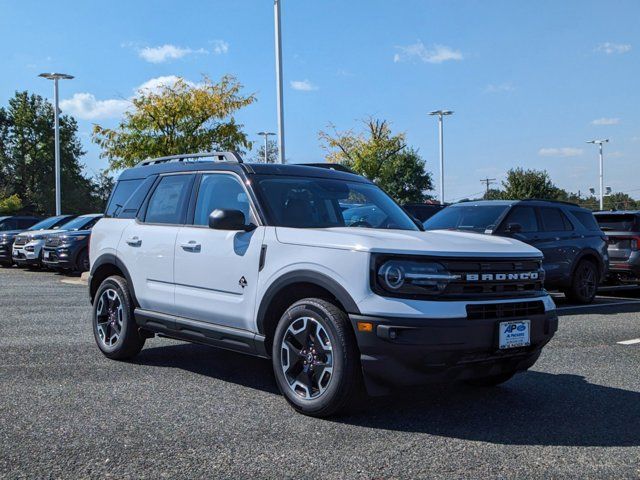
266 136
276 14
599 143
440 114
56 111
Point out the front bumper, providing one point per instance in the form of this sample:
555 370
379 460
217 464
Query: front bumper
407 352
58 257
5 253
29 254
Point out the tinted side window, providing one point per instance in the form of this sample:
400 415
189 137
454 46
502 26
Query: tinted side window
223 192
120 195
554 220
8 224
586 219
168 201
525 216
27 222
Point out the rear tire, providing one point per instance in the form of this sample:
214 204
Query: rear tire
584 284
114 326
492 380
316 359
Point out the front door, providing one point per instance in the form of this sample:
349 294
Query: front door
216 271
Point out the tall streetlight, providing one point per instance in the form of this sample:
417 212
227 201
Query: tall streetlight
440 114
279 94
599 143
266 137
56 111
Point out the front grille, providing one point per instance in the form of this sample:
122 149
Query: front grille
498 287
20 240
53 241
494 311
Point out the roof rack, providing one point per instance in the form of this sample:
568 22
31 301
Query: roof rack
563 202
186 157
329 166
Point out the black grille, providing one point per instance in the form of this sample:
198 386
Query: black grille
53 241
493 311
20 240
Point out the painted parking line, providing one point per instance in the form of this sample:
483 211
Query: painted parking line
598 305
630 342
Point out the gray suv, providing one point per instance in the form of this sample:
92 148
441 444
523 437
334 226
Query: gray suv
622 229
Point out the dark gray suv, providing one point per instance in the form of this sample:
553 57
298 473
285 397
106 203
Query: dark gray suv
575 249
622 229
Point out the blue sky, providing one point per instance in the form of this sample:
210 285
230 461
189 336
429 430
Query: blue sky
529 82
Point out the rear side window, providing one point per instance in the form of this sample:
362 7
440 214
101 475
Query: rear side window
553 220
168 201
120 195
586 220
525 217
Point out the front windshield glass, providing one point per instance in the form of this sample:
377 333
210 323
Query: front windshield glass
475 218
78 223
48 223
304 202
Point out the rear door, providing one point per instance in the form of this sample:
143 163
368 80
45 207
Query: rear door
216 271
147 244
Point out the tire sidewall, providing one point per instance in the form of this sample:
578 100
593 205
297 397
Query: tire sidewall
576 286
115 284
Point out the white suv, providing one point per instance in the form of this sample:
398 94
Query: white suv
315 268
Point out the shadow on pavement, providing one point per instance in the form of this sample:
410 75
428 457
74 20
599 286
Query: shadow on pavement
534 408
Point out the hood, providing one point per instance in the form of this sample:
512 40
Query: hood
11 233
72 233
39 233
445 243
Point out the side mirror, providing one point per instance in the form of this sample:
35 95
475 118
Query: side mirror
514 228
221 219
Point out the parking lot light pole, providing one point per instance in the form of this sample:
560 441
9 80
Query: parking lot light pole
266 136
56 112
279 94
599 143
440 114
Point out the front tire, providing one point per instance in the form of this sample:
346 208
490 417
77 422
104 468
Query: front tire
584 284
114 326
82 264
315 358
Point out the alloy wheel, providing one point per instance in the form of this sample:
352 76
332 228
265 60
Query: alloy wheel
306 358
109 315
587 282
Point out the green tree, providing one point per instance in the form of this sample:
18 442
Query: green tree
521 184
27 157
10 205
103 184
179 118
382 157
619 201
272 153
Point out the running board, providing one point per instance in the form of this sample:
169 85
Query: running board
220 336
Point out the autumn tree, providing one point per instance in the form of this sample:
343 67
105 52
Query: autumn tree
381 156
177 118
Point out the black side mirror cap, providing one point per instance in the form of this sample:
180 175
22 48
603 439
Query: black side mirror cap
221 219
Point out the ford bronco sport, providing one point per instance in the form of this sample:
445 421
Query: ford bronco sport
259 259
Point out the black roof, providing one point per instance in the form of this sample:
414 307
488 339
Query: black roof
296 170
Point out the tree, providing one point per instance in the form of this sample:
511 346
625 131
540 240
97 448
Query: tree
272 153
103 184
521 184
10 205
383 158
620 201
27 157
179 118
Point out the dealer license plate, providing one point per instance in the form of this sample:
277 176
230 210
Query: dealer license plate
515 334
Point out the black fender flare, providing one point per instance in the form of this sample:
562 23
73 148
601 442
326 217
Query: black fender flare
304 276
111 259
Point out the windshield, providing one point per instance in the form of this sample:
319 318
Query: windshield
304 202
619 223
79 223
49 223
475 218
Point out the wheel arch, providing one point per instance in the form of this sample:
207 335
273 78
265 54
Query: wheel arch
591 255
104 266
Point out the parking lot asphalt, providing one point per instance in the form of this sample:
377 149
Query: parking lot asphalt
187 411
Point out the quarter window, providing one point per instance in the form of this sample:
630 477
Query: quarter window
554 220
220 191
168 201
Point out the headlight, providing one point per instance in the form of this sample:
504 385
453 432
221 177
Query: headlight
73 239
36 237
410 278
4 239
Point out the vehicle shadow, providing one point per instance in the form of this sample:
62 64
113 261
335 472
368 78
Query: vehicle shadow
534 408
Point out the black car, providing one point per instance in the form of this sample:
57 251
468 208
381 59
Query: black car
69 250
422 211
622 229
9 228
575 249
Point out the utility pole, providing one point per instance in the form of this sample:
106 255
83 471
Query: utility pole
279 94
56 127
440 114
599 143
488 182
266 144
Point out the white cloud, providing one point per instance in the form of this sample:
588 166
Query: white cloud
499 88
219 47
610 48
560 152
435 54
167 52
87 107
303 85
605 121
154 85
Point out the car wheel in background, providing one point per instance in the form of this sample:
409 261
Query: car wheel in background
114 326
584 284
315 358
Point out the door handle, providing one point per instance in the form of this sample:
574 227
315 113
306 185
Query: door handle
134 241
191 246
